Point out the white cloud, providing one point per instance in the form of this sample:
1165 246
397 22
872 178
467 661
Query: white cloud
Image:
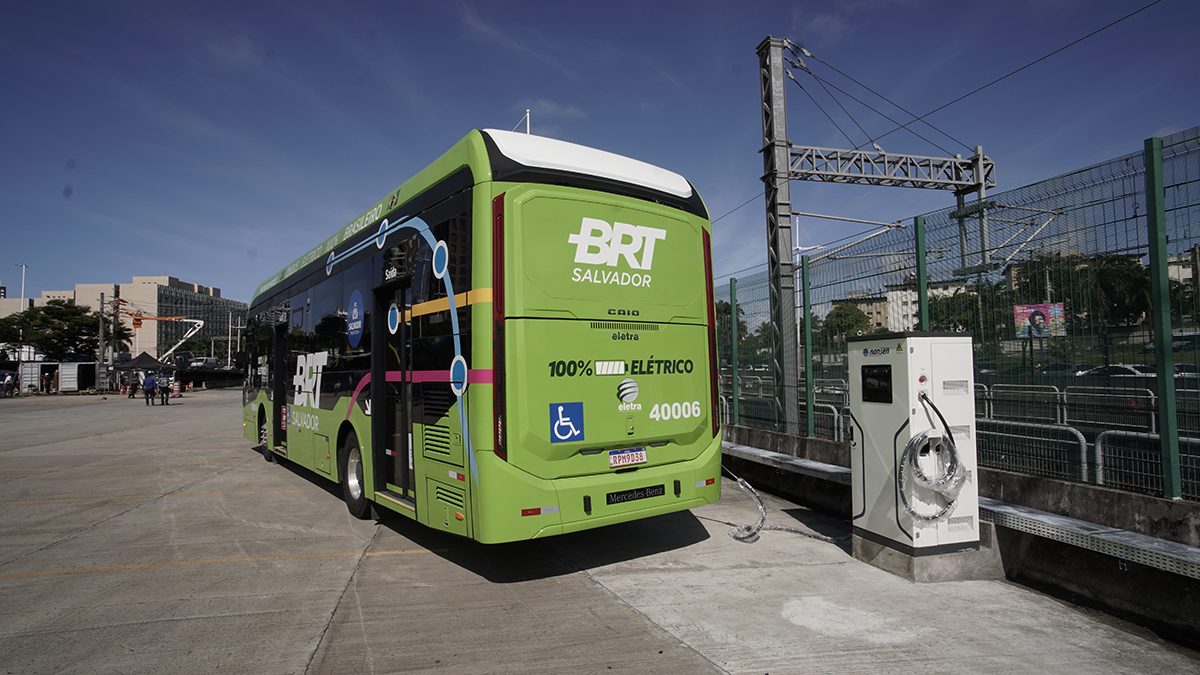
235 51
476 24
822 30
543 108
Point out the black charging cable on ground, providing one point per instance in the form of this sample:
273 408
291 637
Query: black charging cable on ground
749 533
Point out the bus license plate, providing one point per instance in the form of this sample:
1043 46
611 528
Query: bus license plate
627 457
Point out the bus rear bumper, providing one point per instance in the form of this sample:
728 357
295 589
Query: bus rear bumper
583 502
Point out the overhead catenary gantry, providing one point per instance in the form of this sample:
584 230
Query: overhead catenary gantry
784 162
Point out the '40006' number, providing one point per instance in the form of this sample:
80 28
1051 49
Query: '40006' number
675 411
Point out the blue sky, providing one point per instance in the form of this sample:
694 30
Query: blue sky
218 141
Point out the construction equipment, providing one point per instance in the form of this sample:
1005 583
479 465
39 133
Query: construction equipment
138 316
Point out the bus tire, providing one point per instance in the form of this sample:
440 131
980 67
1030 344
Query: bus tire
353 487
264 436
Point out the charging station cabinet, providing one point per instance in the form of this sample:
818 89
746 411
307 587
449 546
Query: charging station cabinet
912 450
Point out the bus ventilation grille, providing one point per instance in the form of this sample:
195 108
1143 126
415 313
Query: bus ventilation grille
436 400
448 496
621 325
436 440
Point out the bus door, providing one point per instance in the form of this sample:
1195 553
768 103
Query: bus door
279 385
391 391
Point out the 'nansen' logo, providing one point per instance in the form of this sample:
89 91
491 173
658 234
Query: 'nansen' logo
307 381
598 243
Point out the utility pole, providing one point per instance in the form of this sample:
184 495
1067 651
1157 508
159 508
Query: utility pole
775 152
784 161
101 369
23 267
115 311
239 328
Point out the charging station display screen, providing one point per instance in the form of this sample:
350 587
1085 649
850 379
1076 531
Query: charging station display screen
877 384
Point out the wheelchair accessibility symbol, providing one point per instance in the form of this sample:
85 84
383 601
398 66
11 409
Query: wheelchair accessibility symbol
566 422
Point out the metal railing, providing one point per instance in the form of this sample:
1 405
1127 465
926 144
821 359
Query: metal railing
1050 450
1128 460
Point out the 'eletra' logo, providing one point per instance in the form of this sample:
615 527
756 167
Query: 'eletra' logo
627 393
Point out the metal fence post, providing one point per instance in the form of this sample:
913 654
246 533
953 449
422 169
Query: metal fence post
1160 318
810 422
733 352
922 275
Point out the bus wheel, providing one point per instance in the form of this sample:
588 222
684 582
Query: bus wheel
264 440
353 487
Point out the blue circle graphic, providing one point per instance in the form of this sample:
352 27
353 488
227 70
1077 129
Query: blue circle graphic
865 352
458 375
355 318
441 256
393 319
381 236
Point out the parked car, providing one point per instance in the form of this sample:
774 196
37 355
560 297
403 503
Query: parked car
1187 370
1121 370
1065 369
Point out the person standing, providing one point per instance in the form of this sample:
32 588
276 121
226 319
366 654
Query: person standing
133 384
164 390
148 388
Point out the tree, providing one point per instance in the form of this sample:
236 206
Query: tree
59 330
1099 290
843 320
724 328
757 346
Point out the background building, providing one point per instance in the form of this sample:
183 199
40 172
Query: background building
153 296
166 296
12 305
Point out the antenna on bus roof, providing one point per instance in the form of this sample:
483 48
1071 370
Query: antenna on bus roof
525 119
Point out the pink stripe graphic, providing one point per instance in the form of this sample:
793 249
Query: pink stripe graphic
480 376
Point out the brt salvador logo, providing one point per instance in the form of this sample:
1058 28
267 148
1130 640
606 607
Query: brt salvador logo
307 381
598 243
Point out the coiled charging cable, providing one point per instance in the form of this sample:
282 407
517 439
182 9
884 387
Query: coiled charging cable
948 484
749 533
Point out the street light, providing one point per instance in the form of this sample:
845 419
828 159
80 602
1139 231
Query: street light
23 267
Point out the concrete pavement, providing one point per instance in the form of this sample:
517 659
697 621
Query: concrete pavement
139 539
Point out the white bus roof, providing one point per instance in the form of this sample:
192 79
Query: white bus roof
549 153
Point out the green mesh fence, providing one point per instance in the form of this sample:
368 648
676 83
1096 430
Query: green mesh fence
1053 282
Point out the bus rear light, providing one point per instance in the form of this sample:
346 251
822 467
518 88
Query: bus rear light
537 511
712 333
498 401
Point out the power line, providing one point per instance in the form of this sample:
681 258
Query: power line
905 110
744 269
730 211
1024 67
870 140
819 107
799 63
881 114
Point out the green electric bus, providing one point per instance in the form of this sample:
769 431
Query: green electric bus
518 342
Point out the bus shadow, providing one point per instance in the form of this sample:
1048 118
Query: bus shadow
540 558
557 556
822 524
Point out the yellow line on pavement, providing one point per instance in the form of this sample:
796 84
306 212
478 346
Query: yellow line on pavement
172 564
134 497
69 465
